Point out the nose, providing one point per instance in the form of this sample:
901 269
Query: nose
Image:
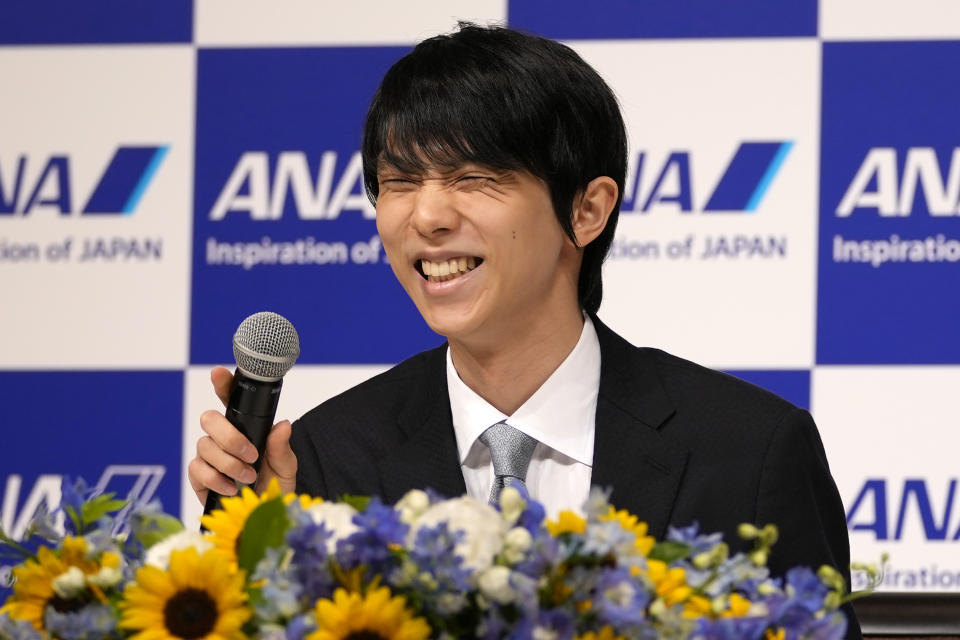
434 213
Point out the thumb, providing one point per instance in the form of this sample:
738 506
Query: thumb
279 461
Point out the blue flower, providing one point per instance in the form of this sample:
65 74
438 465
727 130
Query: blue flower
283 595
805 588
730 628
433 553
301 626
380 527
532 517
691 536
556 624
829 627
309 565
72 497
620 600
544 553
603 538
796 607
17 629
92 621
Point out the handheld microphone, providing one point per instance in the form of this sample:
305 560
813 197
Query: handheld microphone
265 346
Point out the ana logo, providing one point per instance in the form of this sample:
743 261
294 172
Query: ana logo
119 190
252 190
135 483
881 188
740 189
870 510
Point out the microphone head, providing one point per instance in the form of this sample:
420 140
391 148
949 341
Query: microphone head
265 346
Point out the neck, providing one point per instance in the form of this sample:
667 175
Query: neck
507 373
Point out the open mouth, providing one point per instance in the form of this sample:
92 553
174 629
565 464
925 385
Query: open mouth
447 269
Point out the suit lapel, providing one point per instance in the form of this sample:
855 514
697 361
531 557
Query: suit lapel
427 457
633 454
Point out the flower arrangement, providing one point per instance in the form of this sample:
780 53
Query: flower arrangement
292 567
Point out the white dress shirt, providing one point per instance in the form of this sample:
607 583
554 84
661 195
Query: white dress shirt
561 415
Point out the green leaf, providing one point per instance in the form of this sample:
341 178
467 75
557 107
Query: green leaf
151 528
95 508
668 551
357 502
266 527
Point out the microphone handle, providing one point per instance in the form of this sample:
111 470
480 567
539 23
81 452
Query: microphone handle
252 408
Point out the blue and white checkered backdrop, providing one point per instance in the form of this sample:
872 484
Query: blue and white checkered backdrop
168 167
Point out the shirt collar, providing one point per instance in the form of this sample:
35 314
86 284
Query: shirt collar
560 414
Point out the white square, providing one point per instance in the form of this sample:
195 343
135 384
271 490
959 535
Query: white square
125 307
889 20
306 22
704 99
891 438
304 387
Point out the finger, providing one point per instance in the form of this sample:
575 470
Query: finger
279 460
227 436
204 478
222 379
226 464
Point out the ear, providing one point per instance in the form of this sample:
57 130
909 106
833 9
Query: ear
593 209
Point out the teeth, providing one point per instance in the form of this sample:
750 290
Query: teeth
448 269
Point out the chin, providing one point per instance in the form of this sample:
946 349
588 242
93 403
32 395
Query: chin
449 325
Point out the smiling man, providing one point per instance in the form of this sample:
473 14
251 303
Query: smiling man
496 161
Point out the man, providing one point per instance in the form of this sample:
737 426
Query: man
496 161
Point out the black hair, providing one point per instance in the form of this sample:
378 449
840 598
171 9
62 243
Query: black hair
506 100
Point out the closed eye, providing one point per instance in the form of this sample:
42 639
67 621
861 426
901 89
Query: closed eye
476 182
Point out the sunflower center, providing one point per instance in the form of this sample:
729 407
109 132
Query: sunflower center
191 613
69 605
364 634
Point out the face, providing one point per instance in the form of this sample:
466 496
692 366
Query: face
477 250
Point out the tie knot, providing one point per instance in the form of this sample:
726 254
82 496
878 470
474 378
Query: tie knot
510 450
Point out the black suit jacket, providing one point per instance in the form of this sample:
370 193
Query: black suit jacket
677 443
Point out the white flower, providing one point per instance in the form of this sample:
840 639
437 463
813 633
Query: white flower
451 603
106 577
483 529
69 583
159 554
512 504
543 633
494 583
337 517
516 544
412 505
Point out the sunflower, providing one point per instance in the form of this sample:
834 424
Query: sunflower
226 524
375 616
34 586
567 522
201 596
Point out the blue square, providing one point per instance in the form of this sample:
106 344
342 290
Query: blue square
889 224
791 385
121 428
568 19
95 21
278 137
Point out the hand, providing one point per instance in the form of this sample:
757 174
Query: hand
224 454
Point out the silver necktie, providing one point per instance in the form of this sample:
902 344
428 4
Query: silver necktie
510 450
